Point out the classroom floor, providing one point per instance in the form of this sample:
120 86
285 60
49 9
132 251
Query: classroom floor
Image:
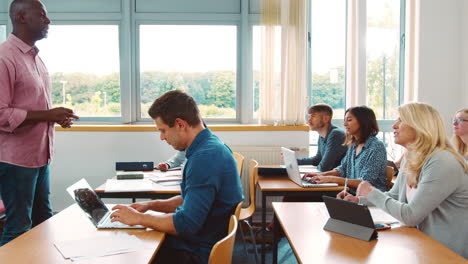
285 253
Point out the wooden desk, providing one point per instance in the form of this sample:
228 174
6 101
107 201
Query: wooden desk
158 192
282 185
303 225
37 245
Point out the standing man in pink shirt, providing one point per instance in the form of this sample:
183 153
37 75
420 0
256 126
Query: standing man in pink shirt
26 121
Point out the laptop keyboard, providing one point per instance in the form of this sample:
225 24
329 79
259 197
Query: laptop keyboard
308 184
107 223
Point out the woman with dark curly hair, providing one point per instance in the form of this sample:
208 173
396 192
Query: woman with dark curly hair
366 158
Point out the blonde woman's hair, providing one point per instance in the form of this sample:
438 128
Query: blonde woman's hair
430 139
458 143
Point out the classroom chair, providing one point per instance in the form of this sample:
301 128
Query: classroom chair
238 209
390 172
247 213
222 250
240 162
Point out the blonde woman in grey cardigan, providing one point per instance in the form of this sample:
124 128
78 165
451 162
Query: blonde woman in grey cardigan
431 191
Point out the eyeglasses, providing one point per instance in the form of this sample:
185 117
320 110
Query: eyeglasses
459 120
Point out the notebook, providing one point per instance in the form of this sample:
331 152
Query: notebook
292 168
93 206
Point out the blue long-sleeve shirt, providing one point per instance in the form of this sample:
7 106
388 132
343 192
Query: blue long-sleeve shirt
211 189
178 160
370 165
330 150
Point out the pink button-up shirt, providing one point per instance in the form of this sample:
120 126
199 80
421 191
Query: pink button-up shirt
24 86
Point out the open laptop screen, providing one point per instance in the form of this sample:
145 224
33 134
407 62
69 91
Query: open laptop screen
91 204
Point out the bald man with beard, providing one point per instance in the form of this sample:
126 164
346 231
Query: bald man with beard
27 121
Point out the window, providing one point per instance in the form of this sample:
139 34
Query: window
383 57
199 59
256 57
84 70
394 151
328 54
2 33
383 53
110 59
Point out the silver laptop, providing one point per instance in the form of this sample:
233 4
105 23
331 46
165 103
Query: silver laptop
93 206
292 168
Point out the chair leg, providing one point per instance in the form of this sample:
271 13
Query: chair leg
253 240
243 237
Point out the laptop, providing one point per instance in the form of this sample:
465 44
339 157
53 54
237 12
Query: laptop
292 168
93 207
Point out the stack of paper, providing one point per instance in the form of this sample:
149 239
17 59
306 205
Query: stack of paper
167 178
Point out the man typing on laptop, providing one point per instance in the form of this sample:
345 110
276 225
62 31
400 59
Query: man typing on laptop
329 153
210 187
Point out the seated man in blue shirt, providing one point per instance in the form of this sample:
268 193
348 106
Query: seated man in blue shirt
330 144
211 188
331 150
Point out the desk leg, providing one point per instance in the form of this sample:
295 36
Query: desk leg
263 226
275 238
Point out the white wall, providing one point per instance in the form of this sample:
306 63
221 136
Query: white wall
92 155
464 54
441 77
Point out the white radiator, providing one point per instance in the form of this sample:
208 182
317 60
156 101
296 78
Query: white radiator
264 155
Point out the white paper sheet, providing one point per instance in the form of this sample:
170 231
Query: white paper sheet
381 217
113 185
158 174
98 246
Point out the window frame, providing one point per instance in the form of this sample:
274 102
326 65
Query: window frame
2 24
5 21
187 22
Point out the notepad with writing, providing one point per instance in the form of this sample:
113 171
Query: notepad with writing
168 181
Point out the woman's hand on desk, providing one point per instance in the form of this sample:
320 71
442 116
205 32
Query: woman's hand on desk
347 196
318 178
308 177
126 214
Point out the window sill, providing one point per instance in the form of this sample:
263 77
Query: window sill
146 128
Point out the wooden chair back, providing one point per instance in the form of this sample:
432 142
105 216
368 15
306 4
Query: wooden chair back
240 162
390 172
238 209
222 250
253 179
